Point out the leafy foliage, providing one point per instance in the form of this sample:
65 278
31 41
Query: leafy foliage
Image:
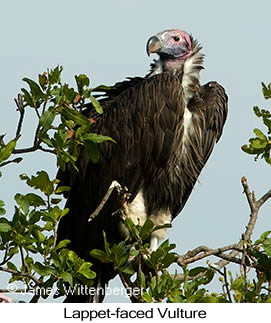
260 145
53 101
31 233
61 129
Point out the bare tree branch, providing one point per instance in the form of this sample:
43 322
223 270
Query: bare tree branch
203 251
19 103
264 198
227 285
111 188
15 272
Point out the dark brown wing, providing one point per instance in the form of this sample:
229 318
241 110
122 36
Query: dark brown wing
216 102
209 109
142 119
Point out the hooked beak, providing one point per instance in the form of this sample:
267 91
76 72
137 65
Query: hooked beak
154 45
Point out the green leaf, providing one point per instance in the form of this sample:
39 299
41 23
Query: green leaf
15 160
258 143
54 75
56 201
195 271
96 104
22 202
146 229
131 227
47 119
133 252
142 279
42 270
127 270
11 265
34 217
267 249
238 284
101 88
81 131
43 136
55 213
28 98
147 297
106 245
264 235
168 259
257 111
39 236
92 151
74 115
7 150
43 80
67 277
94 137
69 93
259 134
85 270
34 88
100 255
41 182
82 81
2 210
248 150
61 189
62 244
164 226
5 227
266 91
34 199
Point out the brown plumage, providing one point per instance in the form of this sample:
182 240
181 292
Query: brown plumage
165 126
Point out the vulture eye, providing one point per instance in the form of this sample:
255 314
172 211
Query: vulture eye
176 38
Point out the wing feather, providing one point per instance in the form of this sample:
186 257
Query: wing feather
142 118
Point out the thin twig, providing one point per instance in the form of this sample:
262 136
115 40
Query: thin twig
6 291
25 150
5 258
264 198
20 107
248 194
113 185
35 298
130 286
203 252
15 272
22 258
51 151
37 113
227 285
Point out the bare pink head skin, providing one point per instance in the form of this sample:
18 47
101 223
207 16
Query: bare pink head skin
173 46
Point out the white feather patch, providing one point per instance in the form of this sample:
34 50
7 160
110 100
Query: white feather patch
136 211
187 117
189 72
158 68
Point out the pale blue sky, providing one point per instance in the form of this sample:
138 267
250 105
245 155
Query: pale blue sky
106 40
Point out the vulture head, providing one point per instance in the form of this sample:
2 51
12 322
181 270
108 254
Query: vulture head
172 44
174 48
